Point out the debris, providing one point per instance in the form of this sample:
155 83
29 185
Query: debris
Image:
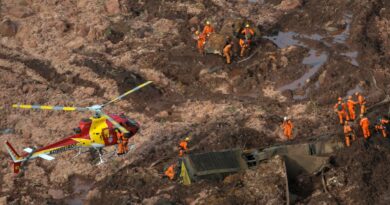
8 28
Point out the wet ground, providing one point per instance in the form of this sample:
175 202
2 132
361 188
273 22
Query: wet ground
309 55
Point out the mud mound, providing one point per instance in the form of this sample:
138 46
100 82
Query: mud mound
86 52
265 184
361 173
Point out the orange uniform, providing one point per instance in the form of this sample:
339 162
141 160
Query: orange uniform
207 30
340 108
362 103
170 172
201 41
183 147
363 107
244 46
227 52
122 143
348 135
248 32
287 128
351 109
382 127
365 123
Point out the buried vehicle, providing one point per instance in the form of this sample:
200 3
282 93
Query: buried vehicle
231 28
292 161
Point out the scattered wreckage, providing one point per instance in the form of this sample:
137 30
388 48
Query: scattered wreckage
297 159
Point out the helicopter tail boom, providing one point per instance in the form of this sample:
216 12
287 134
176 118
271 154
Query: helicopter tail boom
14 155
16 159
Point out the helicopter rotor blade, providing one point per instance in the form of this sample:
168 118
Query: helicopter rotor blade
115 123
127 93
48 107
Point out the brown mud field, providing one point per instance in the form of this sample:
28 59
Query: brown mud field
80 53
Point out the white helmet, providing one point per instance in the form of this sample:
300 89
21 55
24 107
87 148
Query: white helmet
285 118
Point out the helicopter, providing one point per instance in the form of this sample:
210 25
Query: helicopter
95 132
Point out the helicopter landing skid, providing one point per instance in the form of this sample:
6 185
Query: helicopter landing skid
78 153
100 152
131 147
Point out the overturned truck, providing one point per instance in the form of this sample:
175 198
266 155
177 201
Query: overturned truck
297 159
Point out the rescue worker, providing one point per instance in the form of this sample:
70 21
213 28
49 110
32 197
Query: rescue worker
351 108
208 29
382 126
183 146
340 108
362 103
227 52
287 128
170 172
122 142
201 39
349 134
365 124
248 32
363 107
245 42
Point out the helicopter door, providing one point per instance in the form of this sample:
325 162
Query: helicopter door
108 136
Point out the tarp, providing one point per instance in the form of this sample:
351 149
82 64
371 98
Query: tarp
184 175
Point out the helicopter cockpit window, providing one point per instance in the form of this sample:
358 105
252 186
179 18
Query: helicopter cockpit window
128 124
77 130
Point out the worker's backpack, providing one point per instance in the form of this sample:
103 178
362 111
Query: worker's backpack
340 107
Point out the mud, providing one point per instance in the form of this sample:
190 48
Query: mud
87 52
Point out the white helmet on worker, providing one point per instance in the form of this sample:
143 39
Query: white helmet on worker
285 118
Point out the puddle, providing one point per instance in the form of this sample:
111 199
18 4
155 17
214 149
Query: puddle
7 131
290 38
352 56
343 36
351 92
300 97
256 1
285 39
314 37
80 188
315 60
